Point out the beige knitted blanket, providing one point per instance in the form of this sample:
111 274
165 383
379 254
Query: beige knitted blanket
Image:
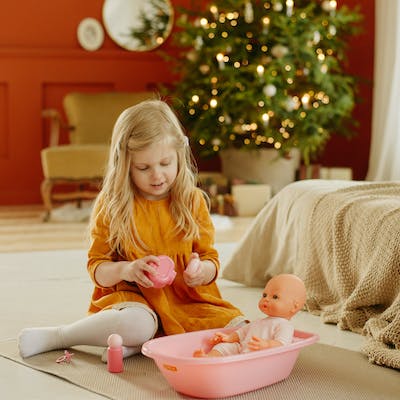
352 265
343 239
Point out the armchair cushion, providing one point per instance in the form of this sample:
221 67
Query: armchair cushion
92 115
83 161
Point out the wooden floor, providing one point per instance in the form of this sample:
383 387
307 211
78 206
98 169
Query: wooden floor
22 229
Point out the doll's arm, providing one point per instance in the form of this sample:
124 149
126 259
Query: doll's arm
219 337
257 343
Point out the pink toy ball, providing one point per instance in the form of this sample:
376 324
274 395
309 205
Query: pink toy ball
114 340
165 272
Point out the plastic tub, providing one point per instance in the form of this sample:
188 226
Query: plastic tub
212 377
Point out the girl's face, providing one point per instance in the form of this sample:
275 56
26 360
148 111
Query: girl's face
154 169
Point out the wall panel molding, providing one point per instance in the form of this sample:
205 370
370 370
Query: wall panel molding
33 80
4 120
40 52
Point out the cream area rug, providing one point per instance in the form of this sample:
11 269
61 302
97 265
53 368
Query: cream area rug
321 372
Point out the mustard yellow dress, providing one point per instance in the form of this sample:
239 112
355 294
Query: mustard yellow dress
180 308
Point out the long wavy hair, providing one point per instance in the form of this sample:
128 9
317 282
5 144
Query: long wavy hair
136 128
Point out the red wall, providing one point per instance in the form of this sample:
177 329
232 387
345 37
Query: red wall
354 152
41 60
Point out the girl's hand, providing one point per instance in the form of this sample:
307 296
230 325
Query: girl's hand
136 271
198 272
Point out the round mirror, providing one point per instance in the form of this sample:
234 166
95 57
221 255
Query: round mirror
138 25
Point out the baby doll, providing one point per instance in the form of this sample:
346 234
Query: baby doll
283 296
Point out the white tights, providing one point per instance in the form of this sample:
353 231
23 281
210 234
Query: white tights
134 322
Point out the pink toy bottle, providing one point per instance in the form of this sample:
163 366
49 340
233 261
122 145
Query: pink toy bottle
193 266
114 353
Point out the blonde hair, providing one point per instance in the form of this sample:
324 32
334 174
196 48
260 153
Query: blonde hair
136 128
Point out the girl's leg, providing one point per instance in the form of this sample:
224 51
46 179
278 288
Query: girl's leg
135 323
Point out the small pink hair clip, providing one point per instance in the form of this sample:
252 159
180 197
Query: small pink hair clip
67 357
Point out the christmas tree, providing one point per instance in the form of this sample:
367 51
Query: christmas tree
255 74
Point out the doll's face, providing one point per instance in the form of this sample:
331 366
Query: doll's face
283 296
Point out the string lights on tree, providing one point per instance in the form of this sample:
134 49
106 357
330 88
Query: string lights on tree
257 74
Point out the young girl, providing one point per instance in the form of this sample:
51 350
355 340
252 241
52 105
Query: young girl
149 206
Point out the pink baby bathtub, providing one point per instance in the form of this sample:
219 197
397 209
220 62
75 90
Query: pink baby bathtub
214 377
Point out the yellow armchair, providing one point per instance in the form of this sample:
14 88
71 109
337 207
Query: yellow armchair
77 168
